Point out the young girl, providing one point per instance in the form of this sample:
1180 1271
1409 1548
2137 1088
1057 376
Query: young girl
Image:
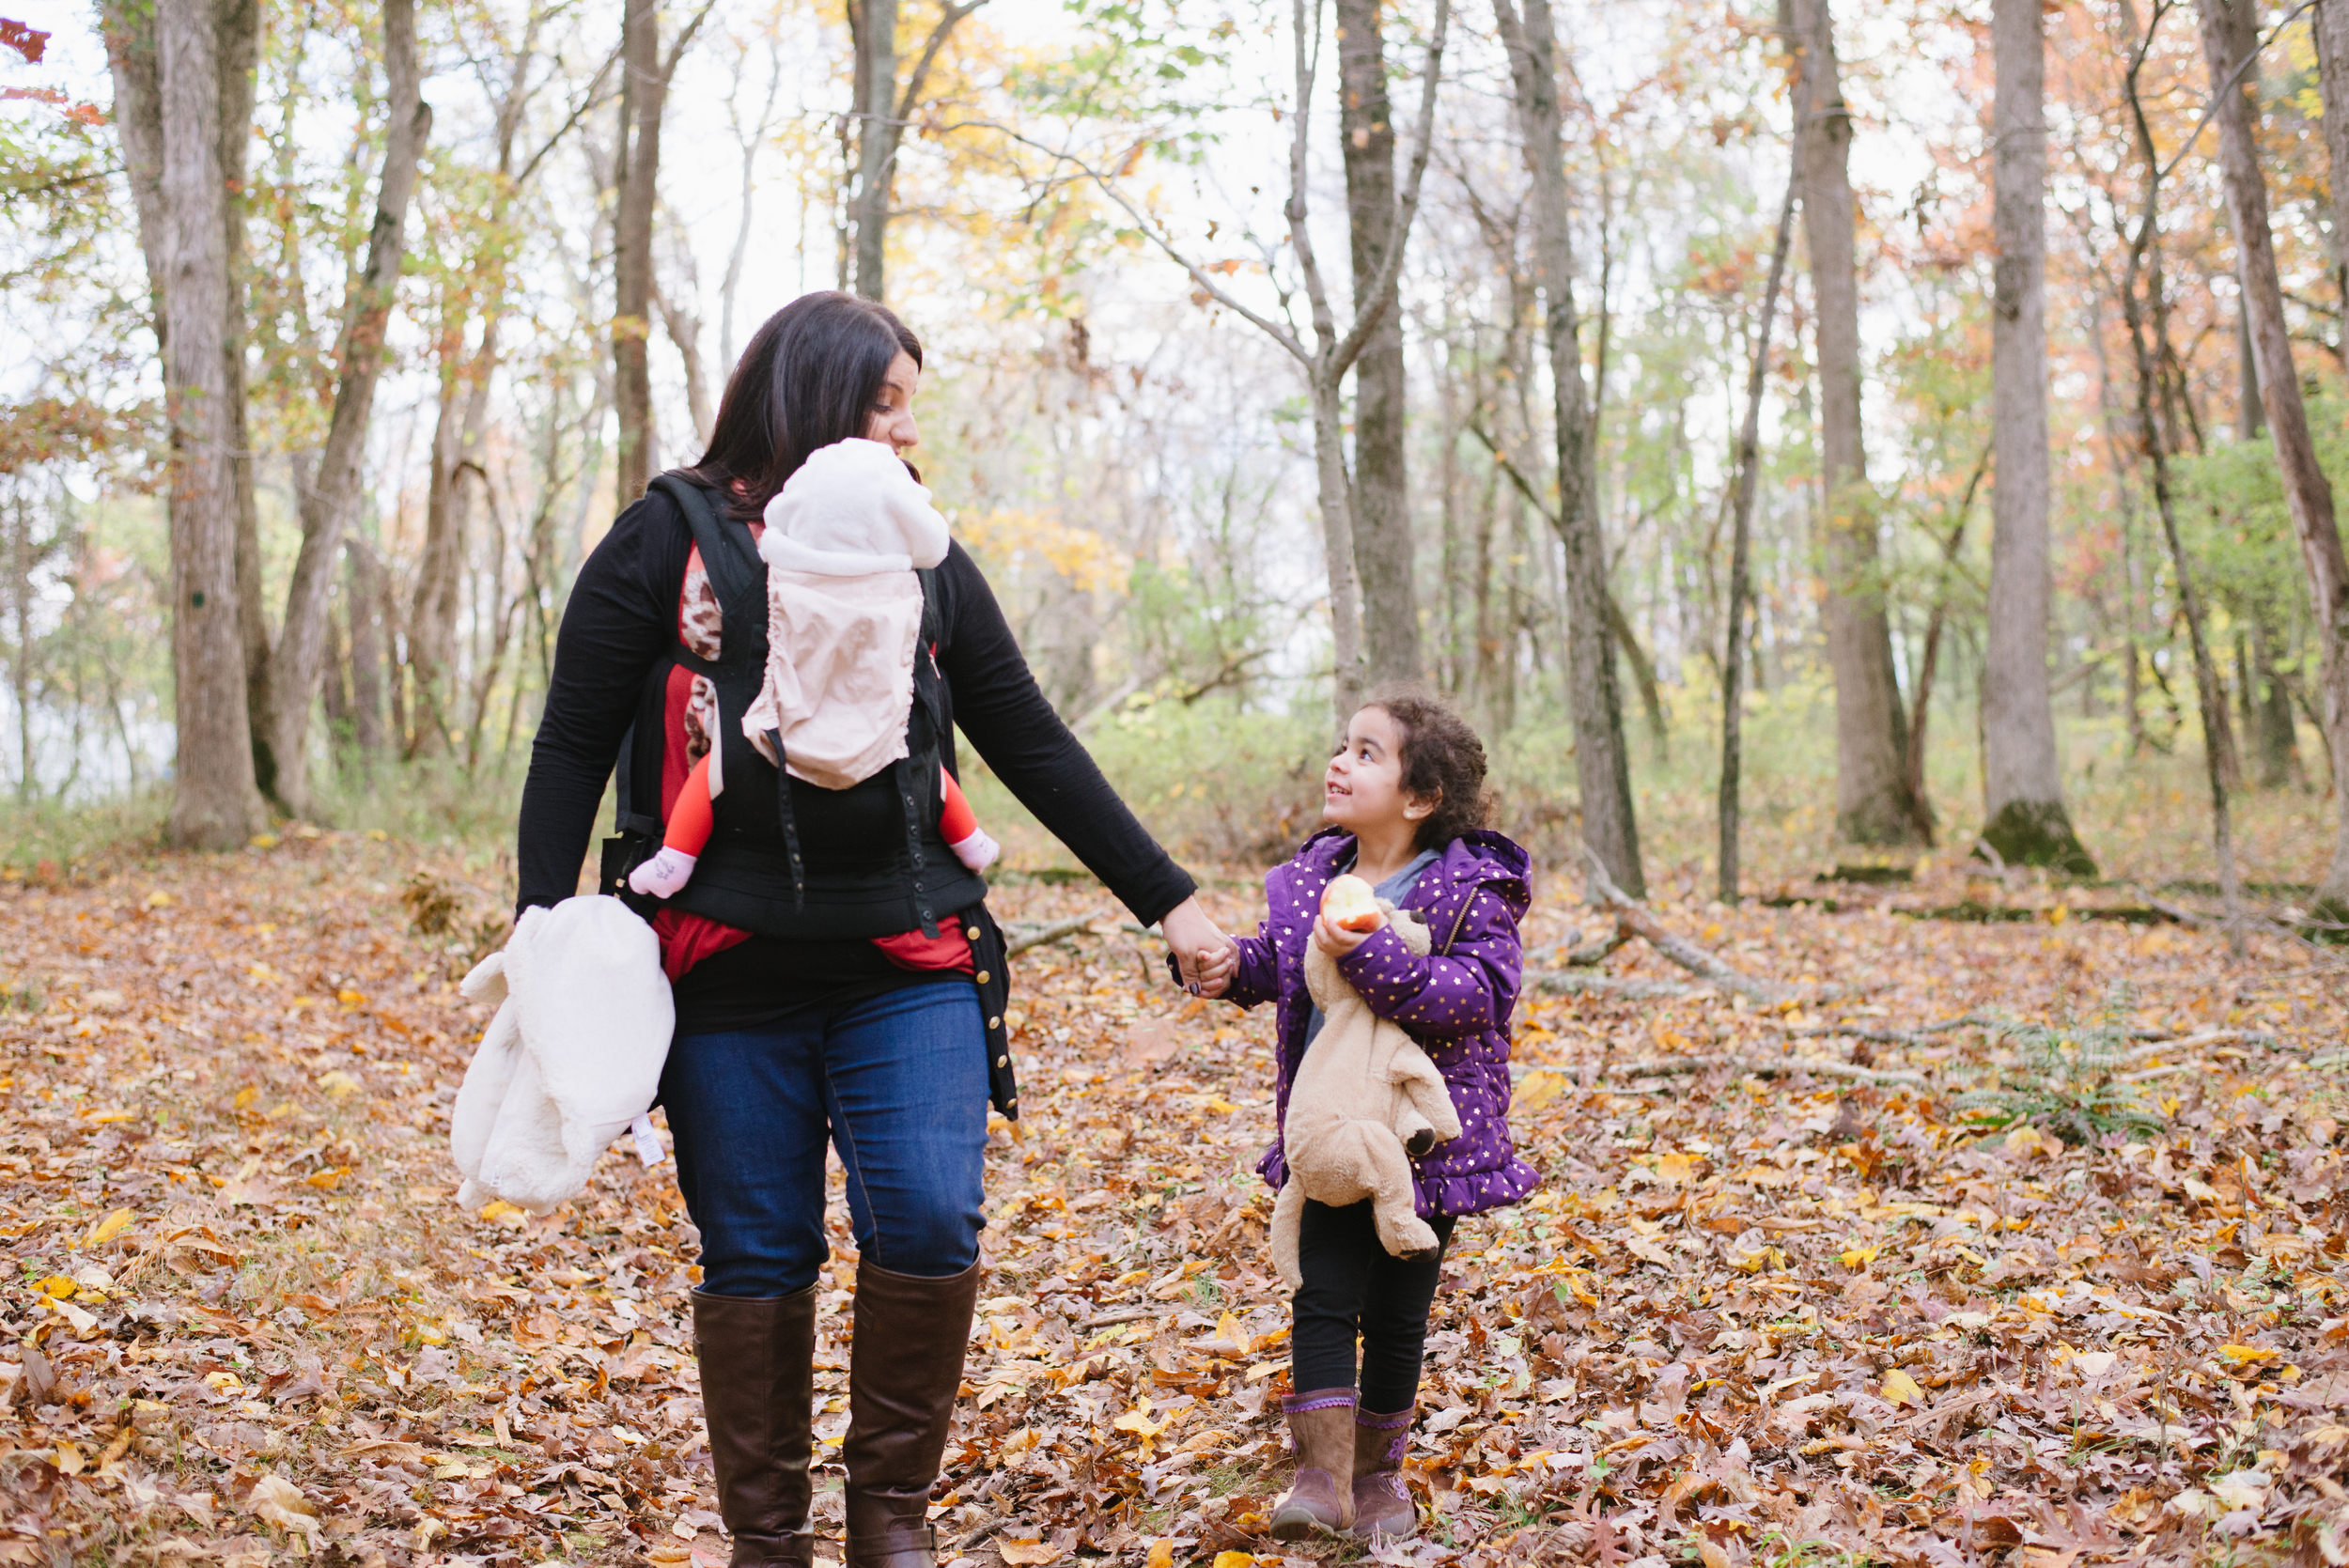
844 618
1404 798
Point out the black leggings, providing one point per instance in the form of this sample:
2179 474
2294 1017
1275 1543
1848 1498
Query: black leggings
1355 1288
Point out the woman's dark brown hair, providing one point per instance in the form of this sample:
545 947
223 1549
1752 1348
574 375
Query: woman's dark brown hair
809 377
1443 761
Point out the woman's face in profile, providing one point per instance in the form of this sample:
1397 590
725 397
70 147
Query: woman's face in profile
892 411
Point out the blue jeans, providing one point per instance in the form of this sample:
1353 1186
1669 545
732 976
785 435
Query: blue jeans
898 1085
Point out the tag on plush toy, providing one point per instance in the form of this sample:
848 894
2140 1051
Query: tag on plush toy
647 1141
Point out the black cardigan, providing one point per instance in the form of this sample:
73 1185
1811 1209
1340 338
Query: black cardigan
622 618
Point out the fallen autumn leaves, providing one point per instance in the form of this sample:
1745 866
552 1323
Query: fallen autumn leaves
1747 1319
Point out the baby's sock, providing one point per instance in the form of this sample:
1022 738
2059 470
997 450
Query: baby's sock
978 850
664 874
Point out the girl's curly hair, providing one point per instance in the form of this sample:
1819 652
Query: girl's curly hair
1443 761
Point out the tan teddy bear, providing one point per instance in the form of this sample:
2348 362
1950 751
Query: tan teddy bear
1365 1099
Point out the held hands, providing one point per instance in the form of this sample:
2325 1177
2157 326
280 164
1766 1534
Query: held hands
1209 959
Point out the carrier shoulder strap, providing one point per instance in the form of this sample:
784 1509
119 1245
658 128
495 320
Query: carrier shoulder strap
737 575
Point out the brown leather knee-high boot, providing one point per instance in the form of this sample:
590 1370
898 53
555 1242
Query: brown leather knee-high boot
757 1358
903 1370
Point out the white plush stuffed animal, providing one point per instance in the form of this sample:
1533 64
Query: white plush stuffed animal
1366 1098
573 1056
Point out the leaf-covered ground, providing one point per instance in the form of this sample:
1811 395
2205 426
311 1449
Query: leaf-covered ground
1774 1319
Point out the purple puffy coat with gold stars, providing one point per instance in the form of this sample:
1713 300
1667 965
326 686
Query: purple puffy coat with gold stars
1455 999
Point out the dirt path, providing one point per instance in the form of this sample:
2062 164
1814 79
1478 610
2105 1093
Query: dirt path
1748 1317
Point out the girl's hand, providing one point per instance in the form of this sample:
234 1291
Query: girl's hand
1197 942
1336 939
1216 969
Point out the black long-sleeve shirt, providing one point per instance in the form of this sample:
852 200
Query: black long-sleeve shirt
621 621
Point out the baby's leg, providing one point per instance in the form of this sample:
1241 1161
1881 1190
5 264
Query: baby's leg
960 826
690 823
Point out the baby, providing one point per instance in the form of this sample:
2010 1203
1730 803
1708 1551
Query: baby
844 623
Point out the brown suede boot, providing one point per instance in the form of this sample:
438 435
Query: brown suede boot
903 1370
1382 1504
757 1358
1321 1424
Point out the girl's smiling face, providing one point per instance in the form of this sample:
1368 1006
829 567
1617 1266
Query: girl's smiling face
1363 789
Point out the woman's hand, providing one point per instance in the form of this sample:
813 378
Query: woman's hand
1205 955
1336 939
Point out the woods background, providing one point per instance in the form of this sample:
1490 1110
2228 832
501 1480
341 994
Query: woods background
1880 463
337 336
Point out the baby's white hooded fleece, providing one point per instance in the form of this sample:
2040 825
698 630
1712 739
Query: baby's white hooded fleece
843 611
573 1055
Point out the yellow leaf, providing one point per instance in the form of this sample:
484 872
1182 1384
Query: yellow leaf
1537 1089
263 841
339 1083
68 1459
223 1382
1161 1555
1856 1256
58 1286
1026 1554
247 1096
1901 1388
351 998
498 1208
159 899
1674 1170
1137 1421
326 1180
108 1228
1235 1560
2245 1355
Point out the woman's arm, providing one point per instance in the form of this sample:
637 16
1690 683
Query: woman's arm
998 704
620 619
1470 989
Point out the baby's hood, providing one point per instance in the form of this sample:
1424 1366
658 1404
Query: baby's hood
853 508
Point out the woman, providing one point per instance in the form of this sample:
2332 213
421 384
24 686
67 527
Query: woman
836 975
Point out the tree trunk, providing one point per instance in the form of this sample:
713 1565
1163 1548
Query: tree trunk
326 502
237 43
2026 820
2228 36
684 327
2331 27
1337 542
440 571
637 164
2149 333
214 802
875 137
1873 803
1382 509
1602 760
365 603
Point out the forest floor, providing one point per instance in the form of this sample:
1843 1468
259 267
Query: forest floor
1758 1314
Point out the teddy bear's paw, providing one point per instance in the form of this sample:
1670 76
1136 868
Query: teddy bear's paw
1410 1238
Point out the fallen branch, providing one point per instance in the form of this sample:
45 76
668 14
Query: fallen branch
1574 983
1760 1066
1017 940
1630 916
1890 1036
